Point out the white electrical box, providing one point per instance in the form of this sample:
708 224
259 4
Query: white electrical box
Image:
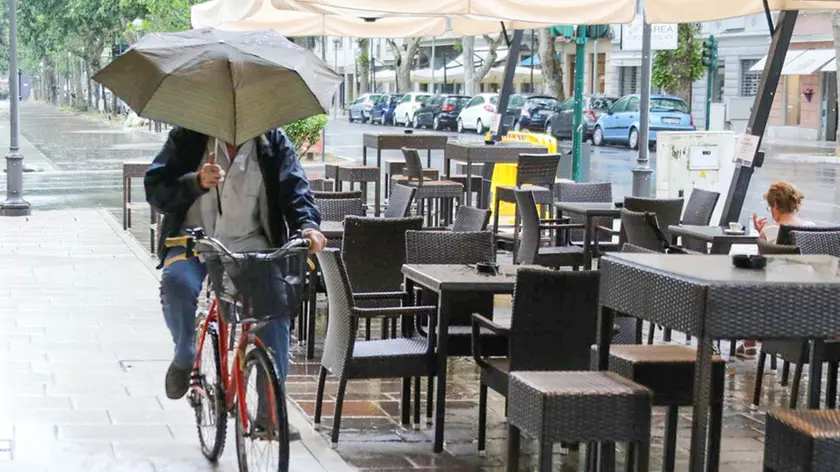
702 159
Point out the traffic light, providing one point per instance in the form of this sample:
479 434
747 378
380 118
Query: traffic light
710 53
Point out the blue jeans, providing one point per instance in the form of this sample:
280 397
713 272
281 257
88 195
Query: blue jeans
180 287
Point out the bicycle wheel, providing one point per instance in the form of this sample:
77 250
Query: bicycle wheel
263 444
207 395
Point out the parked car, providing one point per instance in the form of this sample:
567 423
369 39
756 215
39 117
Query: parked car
478 113
560 123
529 111
360 109
440 111
620 123
383 109
408 104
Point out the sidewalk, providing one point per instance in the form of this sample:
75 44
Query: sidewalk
83 351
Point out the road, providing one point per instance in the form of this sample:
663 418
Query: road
80 160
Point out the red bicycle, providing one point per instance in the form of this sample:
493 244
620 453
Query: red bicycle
221 385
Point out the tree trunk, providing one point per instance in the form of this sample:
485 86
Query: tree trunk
404 62
835 17
489 60
89 84
552 69
79 102
363 64
470 86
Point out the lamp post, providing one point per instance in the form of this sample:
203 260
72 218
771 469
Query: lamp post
642 172
14 205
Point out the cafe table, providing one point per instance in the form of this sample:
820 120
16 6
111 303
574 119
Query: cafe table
709 298
474 152
720 239
590 211
449 281
396 141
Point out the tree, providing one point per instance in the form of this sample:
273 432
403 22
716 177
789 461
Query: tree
305 133
552 69
676 70
404 59
160 15
472 76
363 64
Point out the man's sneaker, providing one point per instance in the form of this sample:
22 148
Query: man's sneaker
177 381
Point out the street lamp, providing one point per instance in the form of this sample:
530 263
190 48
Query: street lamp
14 205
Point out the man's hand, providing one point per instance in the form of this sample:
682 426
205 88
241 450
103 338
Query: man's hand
210 174
319 242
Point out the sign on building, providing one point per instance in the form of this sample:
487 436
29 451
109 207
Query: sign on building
663 36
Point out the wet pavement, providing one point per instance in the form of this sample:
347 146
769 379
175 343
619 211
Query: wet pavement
85 356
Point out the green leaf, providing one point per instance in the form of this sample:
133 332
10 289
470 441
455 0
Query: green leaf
305 133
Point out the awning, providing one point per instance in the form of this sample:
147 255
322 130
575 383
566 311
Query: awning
801 62
830 67
809 62
626 59
790 56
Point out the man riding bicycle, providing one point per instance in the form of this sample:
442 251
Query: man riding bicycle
250 198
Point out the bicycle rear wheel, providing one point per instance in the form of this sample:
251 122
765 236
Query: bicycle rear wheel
207 395
262 445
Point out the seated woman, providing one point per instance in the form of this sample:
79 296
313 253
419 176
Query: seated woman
783 203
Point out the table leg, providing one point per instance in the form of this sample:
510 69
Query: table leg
442 345
429 158
378 158
364 155
721 248
606 318
469 182
815 376
446 164
702 392
377 188
587 243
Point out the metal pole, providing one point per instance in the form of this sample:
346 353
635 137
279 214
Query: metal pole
708 97
433 64
533 33
580 68
642 171
757 124
14 205
507 83
596 89
324 129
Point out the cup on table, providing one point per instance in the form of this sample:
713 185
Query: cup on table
736 227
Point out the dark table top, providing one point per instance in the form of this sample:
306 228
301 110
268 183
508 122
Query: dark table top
590 208
332 229
477 151
463 278
398 140
712 234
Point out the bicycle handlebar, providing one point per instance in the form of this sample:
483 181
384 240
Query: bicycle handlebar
293 245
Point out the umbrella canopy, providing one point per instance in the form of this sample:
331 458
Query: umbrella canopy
232 86
405 18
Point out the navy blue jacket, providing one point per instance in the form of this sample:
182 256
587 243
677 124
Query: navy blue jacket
172 184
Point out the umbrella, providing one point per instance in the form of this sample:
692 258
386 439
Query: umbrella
230 85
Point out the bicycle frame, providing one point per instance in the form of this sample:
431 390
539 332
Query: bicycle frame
232 380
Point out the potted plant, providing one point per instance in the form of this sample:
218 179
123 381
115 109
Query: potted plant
808 92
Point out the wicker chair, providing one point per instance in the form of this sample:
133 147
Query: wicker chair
552 327
445 192
399 203
347 358
588 192
802 440
447 247
638 231
470 219
799 351
529 251
668 212
322 185
374 253
785 236
698 211
336 209
768 249
539 170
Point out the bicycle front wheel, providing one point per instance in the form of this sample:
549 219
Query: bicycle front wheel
207 395
262 438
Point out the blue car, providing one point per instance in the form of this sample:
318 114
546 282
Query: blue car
620 124
383 109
